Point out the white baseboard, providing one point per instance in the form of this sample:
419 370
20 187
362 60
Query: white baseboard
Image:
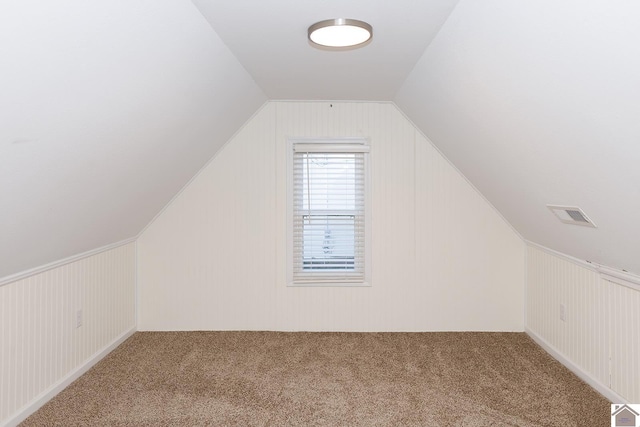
583 375
43 398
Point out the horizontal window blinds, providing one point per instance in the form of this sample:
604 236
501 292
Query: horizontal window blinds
328 212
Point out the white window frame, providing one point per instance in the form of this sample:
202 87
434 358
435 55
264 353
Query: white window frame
336 144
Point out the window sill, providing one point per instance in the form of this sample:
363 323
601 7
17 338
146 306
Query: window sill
329 285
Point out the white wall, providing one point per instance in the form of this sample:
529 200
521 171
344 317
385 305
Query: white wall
443 259
40 346
601 333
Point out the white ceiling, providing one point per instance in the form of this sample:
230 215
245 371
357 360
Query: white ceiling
269 38
108 108
539 103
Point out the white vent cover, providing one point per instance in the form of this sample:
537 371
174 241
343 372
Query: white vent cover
571 215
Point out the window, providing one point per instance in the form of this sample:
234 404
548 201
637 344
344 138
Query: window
328 224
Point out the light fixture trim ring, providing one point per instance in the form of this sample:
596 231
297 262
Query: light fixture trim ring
338 22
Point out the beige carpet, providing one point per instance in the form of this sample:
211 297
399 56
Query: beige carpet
329 379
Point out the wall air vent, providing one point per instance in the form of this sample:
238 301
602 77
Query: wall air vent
571 215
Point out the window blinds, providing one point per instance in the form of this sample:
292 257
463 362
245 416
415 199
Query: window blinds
328 212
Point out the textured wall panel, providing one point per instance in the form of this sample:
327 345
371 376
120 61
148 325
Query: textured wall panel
625 341
39 342
601 333
462 250
442 258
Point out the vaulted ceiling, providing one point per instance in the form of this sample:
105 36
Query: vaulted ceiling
108 108
269 38
538 103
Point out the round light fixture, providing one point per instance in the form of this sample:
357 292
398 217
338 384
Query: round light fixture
340 33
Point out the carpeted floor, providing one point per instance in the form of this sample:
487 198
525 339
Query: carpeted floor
329 379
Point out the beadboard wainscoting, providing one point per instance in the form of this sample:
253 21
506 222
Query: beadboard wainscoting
600 334
442 257
42 348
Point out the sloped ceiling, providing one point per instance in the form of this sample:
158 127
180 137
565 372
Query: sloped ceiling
107 109
539 103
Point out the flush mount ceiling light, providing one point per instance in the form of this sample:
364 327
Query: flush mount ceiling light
340 33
